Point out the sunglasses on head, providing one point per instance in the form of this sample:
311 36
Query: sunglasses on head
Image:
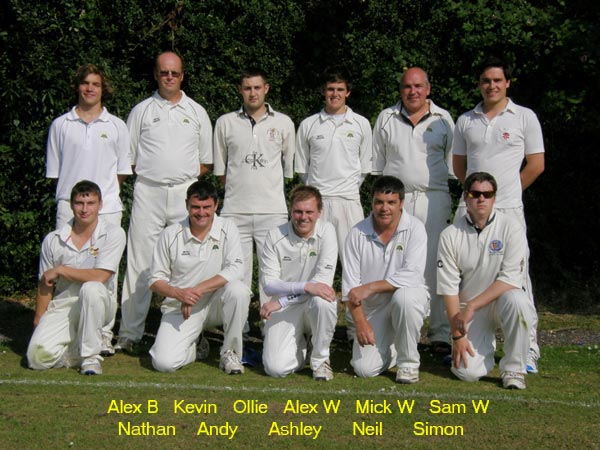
477 194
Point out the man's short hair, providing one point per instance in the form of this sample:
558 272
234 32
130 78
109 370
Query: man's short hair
305 192
202 190
84 70
156 68
480 177
494 62
388 184
252 72
336 76
85 187
415 67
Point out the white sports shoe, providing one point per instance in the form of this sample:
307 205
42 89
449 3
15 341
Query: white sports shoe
407 375
230 363
323 372
513 380
91 366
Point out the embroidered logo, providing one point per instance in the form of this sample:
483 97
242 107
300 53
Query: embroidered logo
94 251
399 247
255 160
350 134
312 253
319 137
287 258
329 267
216 247
156 119
272 134
104 136
429 129
186 120
496 246
440 264
506 135
185 253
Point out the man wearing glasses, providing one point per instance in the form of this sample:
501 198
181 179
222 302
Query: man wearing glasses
481 265
171 145
495 137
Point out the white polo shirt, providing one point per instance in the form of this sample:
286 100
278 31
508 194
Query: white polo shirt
169 142
335 156
102 251
421 155
182 260
498 146
255 159
290 258
97 151
401 262
468 262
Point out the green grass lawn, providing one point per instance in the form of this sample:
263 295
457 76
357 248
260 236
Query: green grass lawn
61 409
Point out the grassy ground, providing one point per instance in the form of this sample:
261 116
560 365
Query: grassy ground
62 409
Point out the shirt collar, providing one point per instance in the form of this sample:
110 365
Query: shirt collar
214 233
404 224
489 221
72 115
348 115
294 238
510 107
64 232
162 102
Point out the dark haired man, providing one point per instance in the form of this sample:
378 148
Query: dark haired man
253 152
171 146
383 286
197 266
495 137
481 264
297 269
334 152
74 300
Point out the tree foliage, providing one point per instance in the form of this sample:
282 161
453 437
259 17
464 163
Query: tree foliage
553 45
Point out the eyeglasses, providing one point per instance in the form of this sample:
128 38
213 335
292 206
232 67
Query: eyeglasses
167 73
477 194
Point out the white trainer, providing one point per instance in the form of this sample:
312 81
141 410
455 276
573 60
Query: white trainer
323 372
407 375
230 363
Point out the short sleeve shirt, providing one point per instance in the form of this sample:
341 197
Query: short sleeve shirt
401 262
421 155
183 260
498 146
102 251
255 159
97 151
469 262
334 156
169 141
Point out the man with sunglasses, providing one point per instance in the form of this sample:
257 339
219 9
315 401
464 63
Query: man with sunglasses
481 264
171 146
495 137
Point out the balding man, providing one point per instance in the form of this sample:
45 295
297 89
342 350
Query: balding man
171 145
412 141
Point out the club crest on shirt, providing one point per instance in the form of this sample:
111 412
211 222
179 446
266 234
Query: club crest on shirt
399 247
496 246
215 247
350 134
272 134
255 160
186 120
312 252
94 251
506 135
104 136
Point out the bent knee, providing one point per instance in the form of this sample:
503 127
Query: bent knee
163 361
466 374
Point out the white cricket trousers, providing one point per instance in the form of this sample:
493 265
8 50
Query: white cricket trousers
513 313
396 321
434 209
175 344
71 329
155 206
343 215
286 332
254 228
